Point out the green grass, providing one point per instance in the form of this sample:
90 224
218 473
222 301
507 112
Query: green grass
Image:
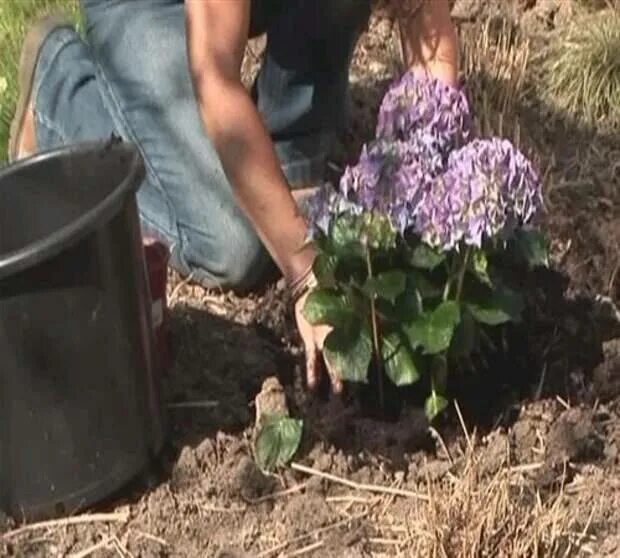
15 17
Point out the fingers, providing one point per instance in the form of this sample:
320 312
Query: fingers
311 364
310 350
335 380
313 339
336 383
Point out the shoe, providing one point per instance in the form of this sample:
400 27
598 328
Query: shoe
27 64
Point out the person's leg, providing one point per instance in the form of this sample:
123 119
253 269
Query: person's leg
140 47
131 78
302 85
52 112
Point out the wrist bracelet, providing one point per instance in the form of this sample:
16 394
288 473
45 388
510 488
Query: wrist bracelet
302 284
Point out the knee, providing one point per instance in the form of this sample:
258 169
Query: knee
243 261
236 259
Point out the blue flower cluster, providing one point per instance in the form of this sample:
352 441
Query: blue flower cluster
425 175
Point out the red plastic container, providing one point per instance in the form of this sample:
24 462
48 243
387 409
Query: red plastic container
156 256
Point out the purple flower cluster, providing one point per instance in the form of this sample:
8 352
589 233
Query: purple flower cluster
487 190
423 176
326 205
427 108
390 179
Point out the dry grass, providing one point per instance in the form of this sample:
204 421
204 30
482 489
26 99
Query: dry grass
495 64
470 514
473 515
580 68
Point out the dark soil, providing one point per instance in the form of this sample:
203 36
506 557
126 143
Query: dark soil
544 406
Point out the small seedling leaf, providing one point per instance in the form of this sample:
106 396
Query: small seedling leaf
277 441
435 404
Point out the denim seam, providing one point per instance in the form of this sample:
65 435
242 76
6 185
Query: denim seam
177 239
40 119
38 80
197 273
57 46
116 112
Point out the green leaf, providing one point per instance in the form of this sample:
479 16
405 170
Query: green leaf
277 441
503 305
324 267
439 373
388 285
401 365
345 235
465 336
425 286
435 404
327 306
379 232
424 257
532 247
479 265
406 307
434 330
348 351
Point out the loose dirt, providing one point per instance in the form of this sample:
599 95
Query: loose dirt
527 465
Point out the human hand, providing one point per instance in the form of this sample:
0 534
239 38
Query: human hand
313 338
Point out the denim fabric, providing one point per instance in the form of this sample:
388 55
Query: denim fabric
130 77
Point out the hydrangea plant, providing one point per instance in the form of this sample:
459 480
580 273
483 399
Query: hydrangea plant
410 243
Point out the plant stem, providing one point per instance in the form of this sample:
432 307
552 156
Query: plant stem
446 289
462 271
375 335
451 269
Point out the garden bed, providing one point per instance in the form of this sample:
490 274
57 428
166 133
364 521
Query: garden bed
527 463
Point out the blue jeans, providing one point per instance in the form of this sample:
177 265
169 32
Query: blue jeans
130 77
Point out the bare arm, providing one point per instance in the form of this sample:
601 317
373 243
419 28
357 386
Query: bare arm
217 33
430 42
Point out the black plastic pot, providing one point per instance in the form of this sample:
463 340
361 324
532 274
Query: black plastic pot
80 408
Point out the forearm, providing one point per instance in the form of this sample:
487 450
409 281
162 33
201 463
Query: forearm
246 152
429 41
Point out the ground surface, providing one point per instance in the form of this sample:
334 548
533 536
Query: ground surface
531 470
